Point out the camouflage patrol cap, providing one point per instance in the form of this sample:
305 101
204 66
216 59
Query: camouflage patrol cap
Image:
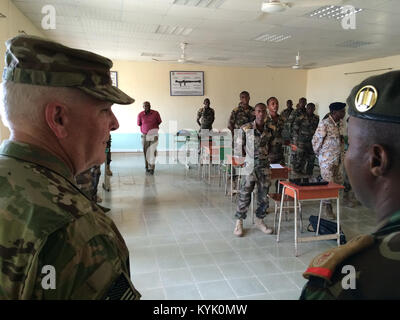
377 98
37 61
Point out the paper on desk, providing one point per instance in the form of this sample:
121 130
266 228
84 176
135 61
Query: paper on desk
276 166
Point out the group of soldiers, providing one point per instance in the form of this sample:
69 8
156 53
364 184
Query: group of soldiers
57 243
299 129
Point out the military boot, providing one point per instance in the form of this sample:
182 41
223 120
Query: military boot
108 171
329 214
261 225
238 228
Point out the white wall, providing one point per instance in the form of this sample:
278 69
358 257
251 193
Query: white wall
9 28
327 85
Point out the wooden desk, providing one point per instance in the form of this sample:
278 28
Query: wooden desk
301 193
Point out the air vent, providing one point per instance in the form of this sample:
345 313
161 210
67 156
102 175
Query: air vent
353 44
211 4
2 15
273 37
332 12
219 58
174 30
149 54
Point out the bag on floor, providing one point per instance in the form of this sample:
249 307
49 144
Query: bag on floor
325 227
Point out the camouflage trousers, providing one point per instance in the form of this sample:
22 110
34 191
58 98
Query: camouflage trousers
150 143
332 173
88 181
302 160
260 176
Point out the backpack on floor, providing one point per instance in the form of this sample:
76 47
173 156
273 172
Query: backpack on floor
325 227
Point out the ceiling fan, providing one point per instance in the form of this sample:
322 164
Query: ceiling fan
183 58
295 66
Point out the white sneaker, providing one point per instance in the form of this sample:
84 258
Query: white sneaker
238 228
261 225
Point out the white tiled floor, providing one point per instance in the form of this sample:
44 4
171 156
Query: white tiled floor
179 233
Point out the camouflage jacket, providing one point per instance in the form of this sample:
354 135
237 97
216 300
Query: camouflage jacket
303 128
289 123
328 143
255 144
276 152
285 114
45 220
239 117
207 116
374 259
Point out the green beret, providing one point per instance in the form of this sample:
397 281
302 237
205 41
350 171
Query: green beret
37 61
377 98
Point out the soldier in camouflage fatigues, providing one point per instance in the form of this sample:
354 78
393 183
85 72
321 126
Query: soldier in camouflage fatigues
275 122
207 116
328 145
45 219
255 140
285 117
303 130
300 111
241 115
372 261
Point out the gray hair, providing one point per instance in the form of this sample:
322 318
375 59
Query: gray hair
24 104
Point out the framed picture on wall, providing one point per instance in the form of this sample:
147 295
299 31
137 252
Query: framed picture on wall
186 83
114 78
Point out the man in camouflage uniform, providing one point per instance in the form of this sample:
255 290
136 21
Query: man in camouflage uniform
57 104
328 145
285 117
275 122
241 115
254 141
300 111
303 130
368 266
206 115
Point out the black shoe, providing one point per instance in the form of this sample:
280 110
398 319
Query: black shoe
151 172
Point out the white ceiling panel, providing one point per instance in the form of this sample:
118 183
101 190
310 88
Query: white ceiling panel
124 29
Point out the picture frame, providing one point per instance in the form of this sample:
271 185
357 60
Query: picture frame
186 83
114 78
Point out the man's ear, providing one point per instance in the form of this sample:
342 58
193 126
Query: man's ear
57 118
379 160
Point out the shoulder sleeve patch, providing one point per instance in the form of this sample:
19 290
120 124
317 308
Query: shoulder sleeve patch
324 265
122 289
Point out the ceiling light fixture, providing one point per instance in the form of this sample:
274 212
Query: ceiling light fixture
273 6
330 12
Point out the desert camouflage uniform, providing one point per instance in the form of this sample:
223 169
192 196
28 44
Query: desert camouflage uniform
375 258
46 220
303 129
207 116
276 153
328 145
256 170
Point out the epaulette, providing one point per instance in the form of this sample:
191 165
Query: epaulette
324 265
235 109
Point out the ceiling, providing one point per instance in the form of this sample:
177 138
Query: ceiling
224 32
